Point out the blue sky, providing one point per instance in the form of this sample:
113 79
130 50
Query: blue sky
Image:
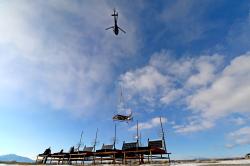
187 61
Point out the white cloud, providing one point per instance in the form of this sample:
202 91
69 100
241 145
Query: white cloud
194 126
146 79
58 52
239 137
228 93
166 79
206 69
171 96
205 85
164 62
15 30
154 122
146 83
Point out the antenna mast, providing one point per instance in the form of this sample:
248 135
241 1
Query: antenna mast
140 140
80 142
121 96
137 133
115 136
95 138
163 135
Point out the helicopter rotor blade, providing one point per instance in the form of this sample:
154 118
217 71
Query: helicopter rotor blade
109 28
122 30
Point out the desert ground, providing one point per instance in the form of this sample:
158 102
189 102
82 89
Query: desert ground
238 162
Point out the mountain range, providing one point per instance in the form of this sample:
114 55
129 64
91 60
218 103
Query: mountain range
15 158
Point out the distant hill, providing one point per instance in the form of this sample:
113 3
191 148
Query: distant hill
14 157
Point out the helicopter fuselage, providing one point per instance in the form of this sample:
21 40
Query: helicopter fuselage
116 29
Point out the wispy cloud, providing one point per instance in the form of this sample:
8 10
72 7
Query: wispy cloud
58 52
237 40
239 137
154 122
239 120
180 20
194 125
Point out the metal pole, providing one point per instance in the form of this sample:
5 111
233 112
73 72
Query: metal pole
137 132
80 142
163 135
95 139
115 136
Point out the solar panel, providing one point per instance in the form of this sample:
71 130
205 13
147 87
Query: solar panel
156 144
71 150
129 145
107 147
47 151
88 149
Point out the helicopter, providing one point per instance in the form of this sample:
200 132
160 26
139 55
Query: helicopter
115 28
119 117
122 117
